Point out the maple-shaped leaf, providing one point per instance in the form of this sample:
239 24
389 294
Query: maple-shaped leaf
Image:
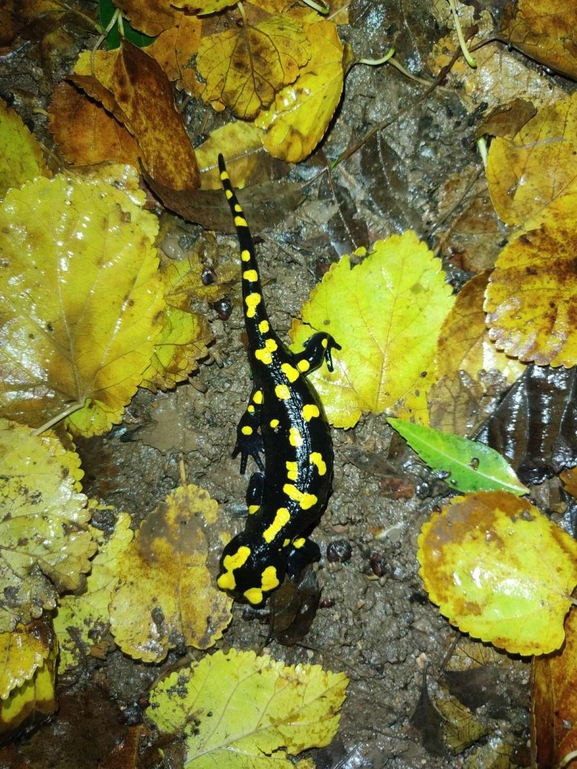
245 68
80 302
45 545
86 133
531 300
176 602
386 314
536 166
294 708
132 86
21 157
301 113
81 620
500 570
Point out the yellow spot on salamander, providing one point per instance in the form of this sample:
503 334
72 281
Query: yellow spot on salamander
290 372
295 438
310 411
245 255
303 365
232 562
224 177
250 408
274 423
237 208
299 542
251 275
252 509
292 470
305 500
282 517
253 595
240 221
258 397
269 578
264 353
228 194
264 326
246 430
226 581
282 392
286 542
316 459
252 301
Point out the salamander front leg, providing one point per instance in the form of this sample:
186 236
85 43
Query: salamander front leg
318 348
248 439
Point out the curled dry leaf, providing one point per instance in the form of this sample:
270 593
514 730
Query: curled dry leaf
80 302
45 545
500 570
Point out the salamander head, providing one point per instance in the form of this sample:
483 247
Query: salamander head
249 572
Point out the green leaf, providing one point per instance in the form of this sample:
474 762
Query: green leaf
107 11
471 466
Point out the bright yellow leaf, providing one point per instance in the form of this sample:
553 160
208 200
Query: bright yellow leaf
80 302
155 609
531 299
22 652
21 158
301 113
87 612
33 700
386 314
500 570
535 167
241 145
45 545
245 68
294 708
202 7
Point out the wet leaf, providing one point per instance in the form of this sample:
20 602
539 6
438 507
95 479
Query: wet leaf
87 614
45 545
21 158
301 112
22 652
86 133
471 466
244 68
294 708
554 701
80 302
132 86
393 302
166 593
500 570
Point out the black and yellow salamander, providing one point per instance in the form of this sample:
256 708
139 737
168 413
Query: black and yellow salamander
285 420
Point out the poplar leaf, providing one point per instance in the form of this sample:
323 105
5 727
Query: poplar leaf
471 466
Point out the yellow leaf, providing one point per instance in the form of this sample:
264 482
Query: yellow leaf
290 707
87 612
531 297
155 609
44 542
500 570
535 167
245 68
241 145
80 302
21 158
33 700
22 652
386 314
301 113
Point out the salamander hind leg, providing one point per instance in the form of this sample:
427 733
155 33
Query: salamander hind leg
317 348
303 551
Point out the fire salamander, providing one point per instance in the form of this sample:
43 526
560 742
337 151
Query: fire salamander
285 420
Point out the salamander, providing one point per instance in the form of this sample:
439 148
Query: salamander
284 421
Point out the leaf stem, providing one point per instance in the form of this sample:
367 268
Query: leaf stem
59 417
378 62
466 53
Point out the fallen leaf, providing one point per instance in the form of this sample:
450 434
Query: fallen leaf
295 708
132 86
301 112
386 314
166 594
80 301
468 465
500 570
45 545
21 157
22 652
244 68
